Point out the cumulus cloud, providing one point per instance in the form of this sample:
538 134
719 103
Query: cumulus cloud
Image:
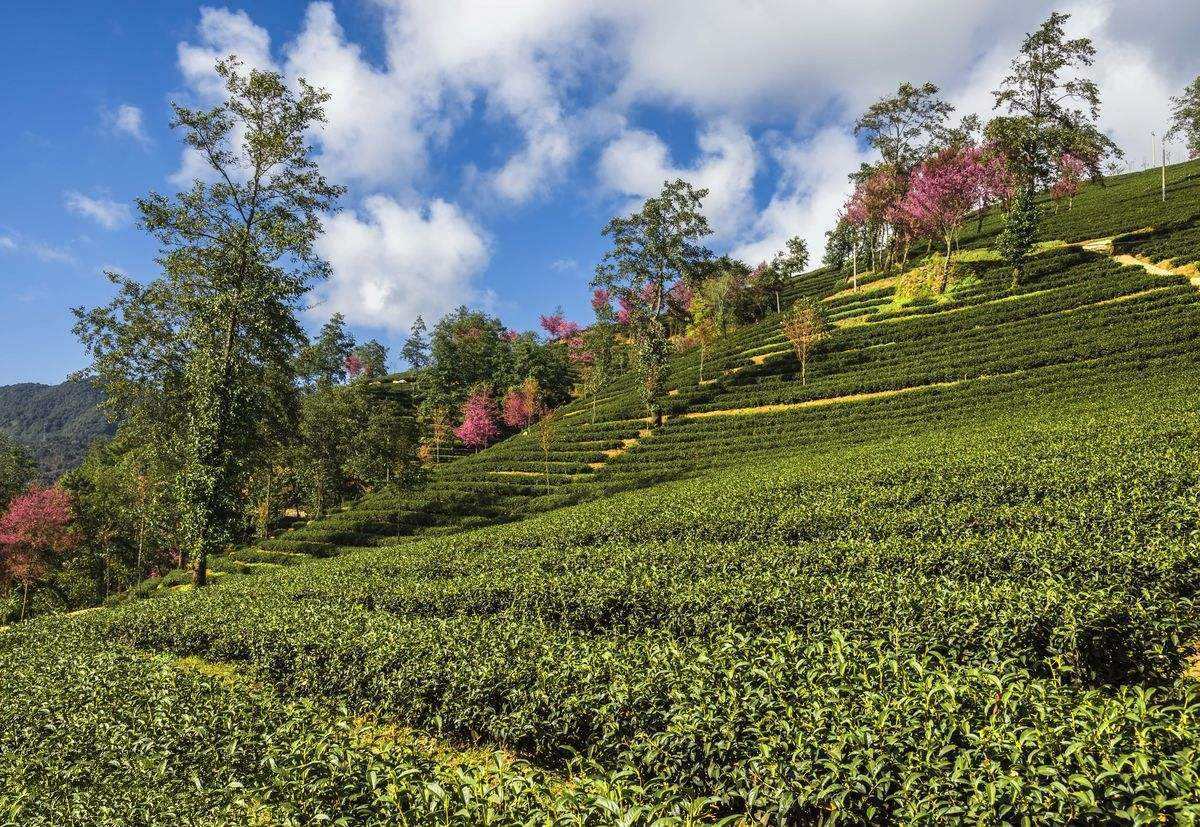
637 163
222 33
106 212
127 121
392 261
813 185
378 123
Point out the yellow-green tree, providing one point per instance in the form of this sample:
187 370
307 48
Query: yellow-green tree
805 325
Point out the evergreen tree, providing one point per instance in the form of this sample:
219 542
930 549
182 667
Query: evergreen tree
207 351
416 347
16 470
1020 232
323 362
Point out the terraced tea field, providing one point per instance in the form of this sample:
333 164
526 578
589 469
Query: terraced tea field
1076 304
952 578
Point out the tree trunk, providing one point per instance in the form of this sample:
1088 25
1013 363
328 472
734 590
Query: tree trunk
25 600
702 349
777 301
945 268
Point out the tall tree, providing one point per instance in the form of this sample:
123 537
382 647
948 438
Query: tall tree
372 356
323 361
1185 118
416 348
652 250
789 264
907 127
210 346
1049 114
704 324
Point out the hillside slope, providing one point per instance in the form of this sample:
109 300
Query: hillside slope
953 577
56 423
1075 304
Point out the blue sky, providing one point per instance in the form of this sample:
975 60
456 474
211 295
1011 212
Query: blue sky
485 144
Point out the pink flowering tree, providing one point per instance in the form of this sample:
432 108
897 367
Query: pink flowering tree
1070 171
995 183
602 303
36 529
943 191
354 366
521 404
478 428
558 328
872 208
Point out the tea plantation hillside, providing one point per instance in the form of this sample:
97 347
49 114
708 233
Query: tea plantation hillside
952 578
1076 304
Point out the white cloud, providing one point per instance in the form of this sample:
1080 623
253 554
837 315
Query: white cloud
564 265
637 163
106 212
376 130
39 250
127 120
49 253
221 34
393 261
812 188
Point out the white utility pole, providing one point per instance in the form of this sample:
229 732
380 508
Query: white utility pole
1164 169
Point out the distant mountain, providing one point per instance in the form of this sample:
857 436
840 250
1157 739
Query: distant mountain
55 422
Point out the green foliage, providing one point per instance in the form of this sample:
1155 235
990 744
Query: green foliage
923 283
654 249
878 615
416 346
322 363
906 128
1042 124
16 470
467 349
204 356
1020 231
1185 118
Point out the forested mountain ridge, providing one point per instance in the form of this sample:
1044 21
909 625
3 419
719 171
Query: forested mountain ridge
56 423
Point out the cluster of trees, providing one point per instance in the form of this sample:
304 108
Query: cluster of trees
931 176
